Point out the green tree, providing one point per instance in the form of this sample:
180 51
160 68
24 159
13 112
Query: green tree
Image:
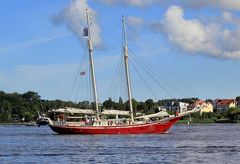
142 107
134 105
238 98
233 113
31 96
209 100
6 111
120 104
108 103
28 116
149 104
160 103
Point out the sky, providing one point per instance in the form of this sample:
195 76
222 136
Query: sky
177 49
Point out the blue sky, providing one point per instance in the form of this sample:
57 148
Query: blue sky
192 46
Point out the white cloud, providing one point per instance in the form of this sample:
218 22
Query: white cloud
230 40
222 4
135 3
74 16
140 3
197 38
228 4
135 21
228 17
191 35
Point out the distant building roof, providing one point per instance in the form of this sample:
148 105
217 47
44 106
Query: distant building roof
224 102
199 102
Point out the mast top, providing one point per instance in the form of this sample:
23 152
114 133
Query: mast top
125 32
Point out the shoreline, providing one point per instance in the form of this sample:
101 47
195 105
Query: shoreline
208 121
180 122
19 124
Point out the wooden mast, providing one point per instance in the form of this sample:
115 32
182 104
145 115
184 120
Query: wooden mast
90 48
125 50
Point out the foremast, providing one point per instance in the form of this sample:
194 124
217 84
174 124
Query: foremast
90 49
125 52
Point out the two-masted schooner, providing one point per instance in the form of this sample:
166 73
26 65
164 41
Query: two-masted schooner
94 123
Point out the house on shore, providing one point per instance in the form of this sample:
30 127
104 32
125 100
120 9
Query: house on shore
206 106
221 105
176 106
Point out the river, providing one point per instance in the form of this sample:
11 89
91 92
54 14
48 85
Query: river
213 143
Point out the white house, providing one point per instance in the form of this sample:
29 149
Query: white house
177 106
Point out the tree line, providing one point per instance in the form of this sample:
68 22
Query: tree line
14 106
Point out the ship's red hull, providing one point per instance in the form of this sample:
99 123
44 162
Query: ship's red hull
157 127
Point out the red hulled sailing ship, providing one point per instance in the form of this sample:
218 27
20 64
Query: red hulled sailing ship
88 121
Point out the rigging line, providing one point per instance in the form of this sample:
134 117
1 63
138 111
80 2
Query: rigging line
90 94
83 86
75 82
85 77
71 93
176 76
107 49
106 18
148 87
82 68
155 80
152 72
71 90
107 35
170 69
77 89
70 82
116 72
86 80
123 79
120 80
117 81
65 90
168 82
80 83
168 66
186 85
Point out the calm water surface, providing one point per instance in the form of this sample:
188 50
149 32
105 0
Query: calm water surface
215 143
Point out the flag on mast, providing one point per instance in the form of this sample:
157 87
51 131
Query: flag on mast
83 73
85 32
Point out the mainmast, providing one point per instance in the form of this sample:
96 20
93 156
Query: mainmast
90 48
125 50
